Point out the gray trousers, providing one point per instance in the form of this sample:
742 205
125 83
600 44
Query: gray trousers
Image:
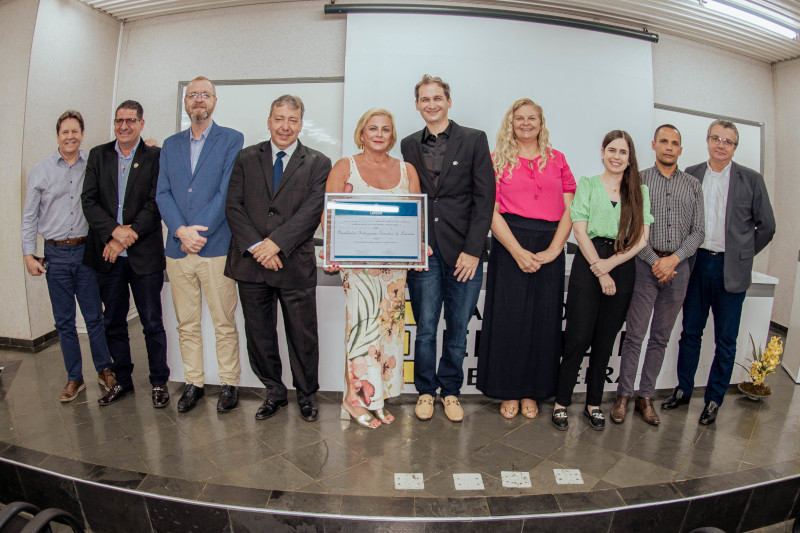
664 301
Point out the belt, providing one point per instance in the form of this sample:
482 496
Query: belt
660 253
75 241
711 252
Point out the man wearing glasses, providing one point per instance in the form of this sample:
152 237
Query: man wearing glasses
194 172
126 247
738 224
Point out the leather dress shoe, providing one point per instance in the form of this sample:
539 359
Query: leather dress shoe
645 406
106 378
269 408
160 396
308 411
560 419
620 409
676 399
71 390
709 414
228 398
116 393
596 419
191 395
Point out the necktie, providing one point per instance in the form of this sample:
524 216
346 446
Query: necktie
277 171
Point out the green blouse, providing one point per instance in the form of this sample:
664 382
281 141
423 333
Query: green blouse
591 204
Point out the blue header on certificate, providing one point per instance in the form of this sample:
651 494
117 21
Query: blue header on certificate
397 209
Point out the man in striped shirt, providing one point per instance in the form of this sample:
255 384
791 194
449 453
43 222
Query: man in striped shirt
662 272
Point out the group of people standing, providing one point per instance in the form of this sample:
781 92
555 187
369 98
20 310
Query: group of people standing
246 217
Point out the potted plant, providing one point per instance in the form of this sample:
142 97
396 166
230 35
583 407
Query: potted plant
763 363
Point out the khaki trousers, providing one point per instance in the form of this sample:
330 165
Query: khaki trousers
189 276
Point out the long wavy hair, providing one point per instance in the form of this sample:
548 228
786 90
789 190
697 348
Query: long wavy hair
507 147
631 217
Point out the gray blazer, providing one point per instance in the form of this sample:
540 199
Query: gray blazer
749 223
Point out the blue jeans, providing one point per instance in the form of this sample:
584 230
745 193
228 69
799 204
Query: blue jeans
67 279
429 291
146 291
707 290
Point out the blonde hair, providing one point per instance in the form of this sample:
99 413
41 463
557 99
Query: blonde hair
362 123
507 147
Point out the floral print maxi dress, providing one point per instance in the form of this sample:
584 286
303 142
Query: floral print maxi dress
375 319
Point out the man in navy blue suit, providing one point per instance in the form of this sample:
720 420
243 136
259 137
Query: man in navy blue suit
194 172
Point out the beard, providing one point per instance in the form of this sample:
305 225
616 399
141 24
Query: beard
199 114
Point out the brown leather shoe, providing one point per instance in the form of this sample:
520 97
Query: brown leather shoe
71 390
106 378
620 409
645 406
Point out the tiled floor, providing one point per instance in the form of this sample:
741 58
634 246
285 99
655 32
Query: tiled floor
194 454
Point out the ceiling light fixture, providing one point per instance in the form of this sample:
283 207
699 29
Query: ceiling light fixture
751 14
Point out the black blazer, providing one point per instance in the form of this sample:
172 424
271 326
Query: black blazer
461 207
288 216
100 200
749 223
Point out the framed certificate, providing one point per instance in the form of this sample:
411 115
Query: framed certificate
375 230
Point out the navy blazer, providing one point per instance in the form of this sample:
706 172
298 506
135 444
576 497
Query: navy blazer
749 223
100 200
197 199
461 206
288 216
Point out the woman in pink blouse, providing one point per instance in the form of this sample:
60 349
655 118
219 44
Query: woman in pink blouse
520 342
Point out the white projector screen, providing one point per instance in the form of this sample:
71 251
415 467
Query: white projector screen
588 83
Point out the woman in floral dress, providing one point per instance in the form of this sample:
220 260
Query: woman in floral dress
375 298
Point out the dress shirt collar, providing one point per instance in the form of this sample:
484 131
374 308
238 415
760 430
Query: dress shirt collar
676 172
447 131
726 172
203 135
133 151
59 158
289 151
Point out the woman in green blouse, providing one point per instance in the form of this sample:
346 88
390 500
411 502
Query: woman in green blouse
611 220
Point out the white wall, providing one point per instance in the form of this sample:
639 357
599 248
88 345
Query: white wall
283 40
17 20
783 261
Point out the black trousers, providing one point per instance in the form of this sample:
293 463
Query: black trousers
260 309
146 290
593 321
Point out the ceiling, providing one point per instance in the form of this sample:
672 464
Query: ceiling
682 18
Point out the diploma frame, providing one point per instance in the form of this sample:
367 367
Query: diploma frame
375 230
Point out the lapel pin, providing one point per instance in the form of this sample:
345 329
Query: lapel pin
455 162
136 165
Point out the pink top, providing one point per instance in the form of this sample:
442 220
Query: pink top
534 194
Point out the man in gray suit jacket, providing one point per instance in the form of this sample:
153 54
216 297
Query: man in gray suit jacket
738 224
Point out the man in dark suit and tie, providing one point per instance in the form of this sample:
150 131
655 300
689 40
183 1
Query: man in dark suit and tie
738 224
194 172
126 247
455 171
274 204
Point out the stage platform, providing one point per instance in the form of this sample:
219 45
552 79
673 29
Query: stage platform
130 467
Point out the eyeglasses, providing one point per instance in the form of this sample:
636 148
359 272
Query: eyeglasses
121 121
202 96
717 140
